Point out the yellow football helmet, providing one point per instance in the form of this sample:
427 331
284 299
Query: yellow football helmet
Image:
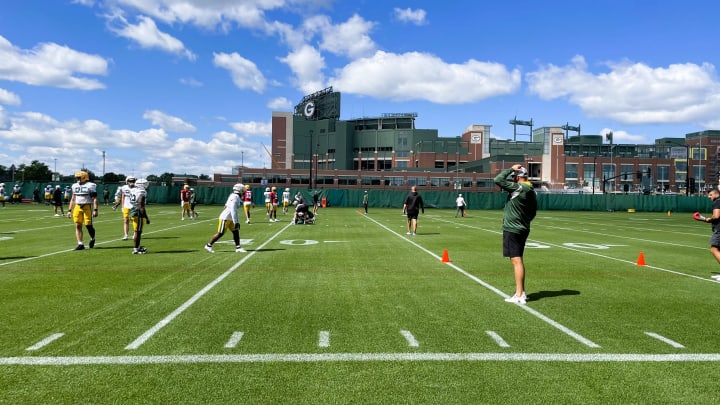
82 176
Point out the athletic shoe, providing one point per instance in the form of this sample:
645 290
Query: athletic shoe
209 248
408 233
414 233
92 243
80 247
240 250
125 237
57 215
139 251
715 277
522 299
247 221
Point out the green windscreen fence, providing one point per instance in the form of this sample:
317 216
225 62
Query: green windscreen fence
433 199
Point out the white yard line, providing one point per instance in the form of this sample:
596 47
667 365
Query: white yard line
234 340
497 338
363 357
324 339
665 340
174 314
537 314
586 252
39 345
412 342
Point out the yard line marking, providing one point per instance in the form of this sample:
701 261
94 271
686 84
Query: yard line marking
39 345
234 340
537 314
665 340
412 342
592 254
324 338
102 242
163 322
363 357
497 338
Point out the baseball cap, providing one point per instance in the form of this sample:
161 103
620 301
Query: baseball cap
522 172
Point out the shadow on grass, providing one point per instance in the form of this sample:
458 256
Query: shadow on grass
550 294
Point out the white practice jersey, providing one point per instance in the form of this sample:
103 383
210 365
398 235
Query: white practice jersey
125 193
232 205
83 192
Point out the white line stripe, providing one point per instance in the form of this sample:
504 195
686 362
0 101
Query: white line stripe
665 340
361 357
324 338
234 340
497 338
412 342
150 332
46 341
567 331
588 253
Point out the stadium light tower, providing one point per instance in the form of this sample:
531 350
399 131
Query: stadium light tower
515 122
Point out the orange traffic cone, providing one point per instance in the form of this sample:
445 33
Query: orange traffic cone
641 260
445 258
668 213
361 212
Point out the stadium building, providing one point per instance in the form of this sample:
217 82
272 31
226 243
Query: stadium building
312 147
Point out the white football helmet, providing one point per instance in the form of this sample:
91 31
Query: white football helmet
238 188
267 188
130 179
287 189
142 183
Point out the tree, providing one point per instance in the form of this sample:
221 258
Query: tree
36 171
112 178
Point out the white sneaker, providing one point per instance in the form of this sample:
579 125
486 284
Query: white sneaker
247 221
57 215
715 277
125 237
408 233
522 299
240 250
209 248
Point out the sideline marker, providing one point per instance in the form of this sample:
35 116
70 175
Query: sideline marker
445 257
641 260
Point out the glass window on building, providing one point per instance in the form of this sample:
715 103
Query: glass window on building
298 179
394 181
370 181
589 171
327 180
663 173
347 180
626 171
571 171
439 164
417 181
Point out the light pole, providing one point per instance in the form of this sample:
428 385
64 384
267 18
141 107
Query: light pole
310 157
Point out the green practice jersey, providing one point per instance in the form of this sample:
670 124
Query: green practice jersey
521 205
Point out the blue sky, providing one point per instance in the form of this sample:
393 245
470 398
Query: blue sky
189 86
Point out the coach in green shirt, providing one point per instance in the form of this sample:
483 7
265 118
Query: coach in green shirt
520 210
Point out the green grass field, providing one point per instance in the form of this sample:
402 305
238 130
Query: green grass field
352 310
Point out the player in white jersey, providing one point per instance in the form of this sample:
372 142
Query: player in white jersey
137 214
286 200
126 202
229 219
268 201
83 208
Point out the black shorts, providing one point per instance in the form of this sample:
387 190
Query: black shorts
413 214
715 239
514 243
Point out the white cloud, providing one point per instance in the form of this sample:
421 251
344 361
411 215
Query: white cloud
50 64
244 72
634 93
192 82
421 76
307 64
280 103
409 15
9 98
350 38
146 34
168 122
253 128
